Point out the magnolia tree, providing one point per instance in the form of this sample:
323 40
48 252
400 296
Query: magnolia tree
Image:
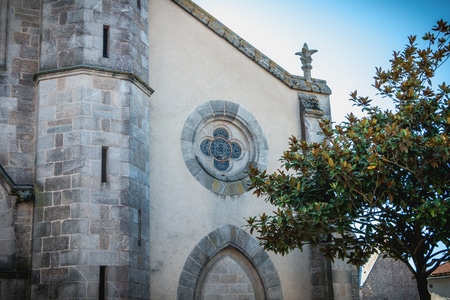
378 183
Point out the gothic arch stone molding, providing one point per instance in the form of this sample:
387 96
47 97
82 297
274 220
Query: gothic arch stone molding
221 242
220 139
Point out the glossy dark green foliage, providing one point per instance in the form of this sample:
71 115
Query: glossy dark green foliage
378 183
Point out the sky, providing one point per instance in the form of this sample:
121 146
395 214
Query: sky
352 37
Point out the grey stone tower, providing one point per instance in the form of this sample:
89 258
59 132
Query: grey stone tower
19 60
91 231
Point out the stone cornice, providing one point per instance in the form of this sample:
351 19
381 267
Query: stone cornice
93 70
293 81
23 192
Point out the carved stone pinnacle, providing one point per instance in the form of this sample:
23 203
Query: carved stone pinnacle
306 59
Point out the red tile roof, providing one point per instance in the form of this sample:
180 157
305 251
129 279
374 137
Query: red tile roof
442 270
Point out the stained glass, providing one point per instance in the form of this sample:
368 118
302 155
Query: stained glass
235 150
221 149
205 146
222 165
220 132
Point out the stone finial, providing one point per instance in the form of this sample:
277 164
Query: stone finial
306 59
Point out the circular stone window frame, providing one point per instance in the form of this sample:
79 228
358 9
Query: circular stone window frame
230 115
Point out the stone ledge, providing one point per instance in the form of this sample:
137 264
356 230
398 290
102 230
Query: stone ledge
93 70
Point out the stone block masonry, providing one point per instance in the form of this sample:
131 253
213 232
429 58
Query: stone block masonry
73 35
88 227
85 224
19 48
228 280
216 270
74 131
19 39
92 170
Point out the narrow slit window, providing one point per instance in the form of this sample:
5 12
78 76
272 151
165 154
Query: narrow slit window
105 40
139 4
104 163
102 284
139 227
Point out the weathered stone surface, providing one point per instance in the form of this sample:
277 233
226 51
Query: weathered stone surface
75 226
83 273
104 227
103 258
57 183
55 243
387 279
84 242
28 52
54 275
104 242
56 213
85 210
42 229
7 246
41 260
62 102
74 257
213 247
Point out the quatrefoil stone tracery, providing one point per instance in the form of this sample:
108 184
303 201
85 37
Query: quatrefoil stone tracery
221 149
219 140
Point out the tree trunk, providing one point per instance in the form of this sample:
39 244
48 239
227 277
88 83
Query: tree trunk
422 286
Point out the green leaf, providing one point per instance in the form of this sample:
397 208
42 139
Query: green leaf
380 182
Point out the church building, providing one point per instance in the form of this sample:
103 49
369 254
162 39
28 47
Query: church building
126 131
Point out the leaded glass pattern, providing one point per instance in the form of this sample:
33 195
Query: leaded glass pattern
221 149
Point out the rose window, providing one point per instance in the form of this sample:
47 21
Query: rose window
219 141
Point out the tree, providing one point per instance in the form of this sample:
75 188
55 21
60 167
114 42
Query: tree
377 183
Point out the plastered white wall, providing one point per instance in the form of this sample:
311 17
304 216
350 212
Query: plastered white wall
190 65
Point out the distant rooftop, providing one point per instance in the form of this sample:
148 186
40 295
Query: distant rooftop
442 270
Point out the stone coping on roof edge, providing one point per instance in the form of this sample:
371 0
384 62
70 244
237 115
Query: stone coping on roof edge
293 81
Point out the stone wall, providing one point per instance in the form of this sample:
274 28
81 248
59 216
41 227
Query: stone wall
389 279
18 63
103 34
15 234
3 32
19 43
75 113
229 264
90 60
227 280
86 225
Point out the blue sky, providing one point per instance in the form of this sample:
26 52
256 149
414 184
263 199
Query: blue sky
352 37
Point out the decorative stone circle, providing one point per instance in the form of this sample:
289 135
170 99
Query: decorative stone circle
220 139
222 151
